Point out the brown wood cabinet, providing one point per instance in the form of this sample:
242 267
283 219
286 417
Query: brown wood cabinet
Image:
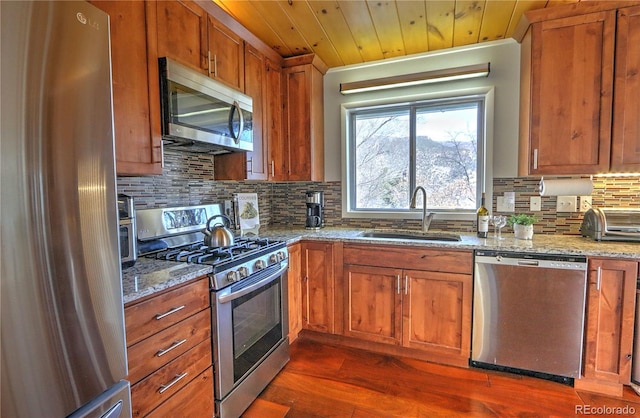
195 400
135 99
373 303
295 291
147 317
273 121
414 298
567 90
252 165
611 299
255 86
169 350
225 52
186 33
436 312
161 385
180 28
304 118
318 287
571 92
625 145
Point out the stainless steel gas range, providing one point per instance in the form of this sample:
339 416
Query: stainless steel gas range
248 288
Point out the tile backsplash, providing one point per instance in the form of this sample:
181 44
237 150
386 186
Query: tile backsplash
187 179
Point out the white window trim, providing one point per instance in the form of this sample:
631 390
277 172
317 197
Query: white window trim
489 95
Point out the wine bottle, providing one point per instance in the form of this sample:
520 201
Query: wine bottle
483 219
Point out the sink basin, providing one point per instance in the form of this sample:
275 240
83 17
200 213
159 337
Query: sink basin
433 236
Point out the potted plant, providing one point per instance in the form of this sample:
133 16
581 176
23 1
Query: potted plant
522 225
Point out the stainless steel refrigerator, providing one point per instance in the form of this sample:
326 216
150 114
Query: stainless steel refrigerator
62 323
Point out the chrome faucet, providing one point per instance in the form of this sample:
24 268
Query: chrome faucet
426 217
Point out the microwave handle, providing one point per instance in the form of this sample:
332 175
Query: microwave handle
236 107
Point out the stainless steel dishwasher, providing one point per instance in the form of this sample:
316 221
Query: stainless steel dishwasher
528 313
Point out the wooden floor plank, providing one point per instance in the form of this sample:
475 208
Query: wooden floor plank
265 409
327 381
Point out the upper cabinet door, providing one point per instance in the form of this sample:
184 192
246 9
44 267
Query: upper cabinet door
273 121
257 164
304 118
625 147
181 30
225 54
136 109
571 94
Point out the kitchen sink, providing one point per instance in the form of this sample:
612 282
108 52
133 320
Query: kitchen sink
428 236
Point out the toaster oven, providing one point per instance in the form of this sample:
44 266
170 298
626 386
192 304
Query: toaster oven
127 230
611 224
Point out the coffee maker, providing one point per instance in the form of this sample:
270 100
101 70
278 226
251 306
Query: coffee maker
315 207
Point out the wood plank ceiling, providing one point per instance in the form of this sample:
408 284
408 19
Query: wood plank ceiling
355 31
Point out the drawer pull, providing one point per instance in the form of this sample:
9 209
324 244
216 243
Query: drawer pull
173 382
174 345
174 310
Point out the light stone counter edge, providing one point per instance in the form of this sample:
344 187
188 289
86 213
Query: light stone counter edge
148 277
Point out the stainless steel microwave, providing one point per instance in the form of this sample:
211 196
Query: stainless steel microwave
200 114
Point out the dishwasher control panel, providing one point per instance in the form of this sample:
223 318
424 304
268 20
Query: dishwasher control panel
551 261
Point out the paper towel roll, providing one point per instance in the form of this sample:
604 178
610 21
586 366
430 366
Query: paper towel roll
566 187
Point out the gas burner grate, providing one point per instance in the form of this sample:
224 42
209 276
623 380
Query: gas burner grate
199 253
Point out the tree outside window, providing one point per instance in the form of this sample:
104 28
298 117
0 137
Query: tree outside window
434 144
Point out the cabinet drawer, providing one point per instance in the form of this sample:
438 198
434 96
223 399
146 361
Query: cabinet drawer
161 385
195 400
159 349
429 259
153 315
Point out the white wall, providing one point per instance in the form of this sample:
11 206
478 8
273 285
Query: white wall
504 56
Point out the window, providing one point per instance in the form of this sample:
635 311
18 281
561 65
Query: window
438 144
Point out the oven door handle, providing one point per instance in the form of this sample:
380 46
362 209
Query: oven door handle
254 286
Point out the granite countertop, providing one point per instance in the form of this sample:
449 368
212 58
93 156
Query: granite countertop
149 276
541 243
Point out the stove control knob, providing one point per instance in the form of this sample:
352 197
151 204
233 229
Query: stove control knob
281 255
274 258
231 277
260 264
243 272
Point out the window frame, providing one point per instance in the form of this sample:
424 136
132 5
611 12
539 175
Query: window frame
485 162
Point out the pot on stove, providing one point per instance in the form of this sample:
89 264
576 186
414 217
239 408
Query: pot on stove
219 235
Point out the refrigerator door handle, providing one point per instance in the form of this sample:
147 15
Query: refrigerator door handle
114 412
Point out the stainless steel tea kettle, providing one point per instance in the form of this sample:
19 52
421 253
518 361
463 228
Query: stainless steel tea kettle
220 235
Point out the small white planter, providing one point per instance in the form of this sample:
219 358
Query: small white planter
523 231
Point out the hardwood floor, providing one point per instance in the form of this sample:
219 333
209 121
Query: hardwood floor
327 381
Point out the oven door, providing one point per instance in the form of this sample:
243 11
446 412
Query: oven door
249 321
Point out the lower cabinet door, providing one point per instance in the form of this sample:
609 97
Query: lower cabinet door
195 400
610 317
373 301
318 291
437 312
295 292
